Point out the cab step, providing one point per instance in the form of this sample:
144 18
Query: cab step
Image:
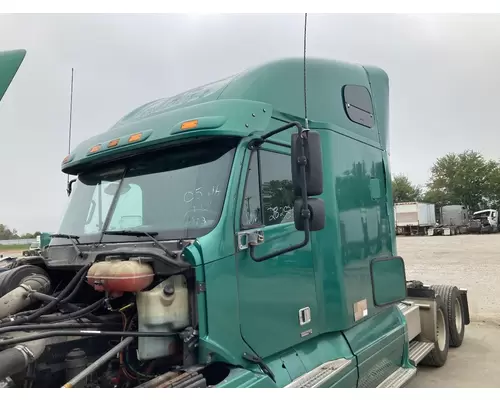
320 375
418 351
398 378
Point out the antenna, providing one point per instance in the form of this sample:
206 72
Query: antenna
70 115
305 73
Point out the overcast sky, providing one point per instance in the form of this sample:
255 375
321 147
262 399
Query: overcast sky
444 77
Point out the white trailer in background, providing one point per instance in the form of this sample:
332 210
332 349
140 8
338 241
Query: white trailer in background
414 218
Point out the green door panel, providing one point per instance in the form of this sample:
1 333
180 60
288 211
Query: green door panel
10 61
379 344
272 292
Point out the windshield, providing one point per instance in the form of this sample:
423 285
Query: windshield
178 194
481 215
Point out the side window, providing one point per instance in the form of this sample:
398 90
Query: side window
277 189
358 105
251 212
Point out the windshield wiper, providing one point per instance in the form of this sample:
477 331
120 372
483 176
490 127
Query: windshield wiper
150 235
73 239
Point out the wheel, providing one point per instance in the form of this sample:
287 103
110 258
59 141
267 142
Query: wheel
455 311
439 354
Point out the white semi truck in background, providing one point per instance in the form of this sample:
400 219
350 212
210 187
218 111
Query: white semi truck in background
414 218
484 221
453 220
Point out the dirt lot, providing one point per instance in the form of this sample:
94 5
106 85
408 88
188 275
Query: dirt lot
473 262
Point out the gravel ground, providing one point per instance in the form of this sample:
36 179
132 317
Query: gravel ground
467 261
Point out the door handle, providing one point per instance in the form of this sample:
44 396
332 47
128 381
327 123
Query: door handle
250 238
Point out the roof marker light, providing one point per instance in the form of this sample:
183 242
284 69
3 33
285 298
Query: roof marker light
95 149
135 137
189 124
113 143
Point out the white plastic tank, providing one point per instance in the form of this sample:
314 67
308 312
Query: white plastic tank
165 308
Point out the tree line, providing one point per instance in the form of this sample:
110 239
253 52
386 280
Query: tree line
466 178
8 234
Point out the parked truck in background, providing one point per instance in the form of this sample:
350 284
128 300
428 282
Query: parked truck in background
453 220
234 269
484 221
414 218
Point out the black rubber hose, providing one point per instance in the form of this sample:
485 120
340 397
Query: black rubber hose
84 312
12 361
74 292
54 333
79 275
77 313
43 327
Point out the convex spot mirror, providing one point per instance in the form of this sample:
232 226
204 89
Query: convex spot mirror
317 214
314 166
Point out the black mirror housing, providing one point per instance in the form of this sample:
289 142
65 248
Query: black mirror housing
314 167
317 218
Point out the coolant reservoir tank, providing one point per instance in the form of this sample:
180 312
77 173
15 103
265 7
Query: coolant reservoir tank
118 276
165 308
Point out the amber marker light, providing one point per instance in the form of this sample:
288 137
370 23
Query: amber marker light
189 124
95 149
113 143
135 137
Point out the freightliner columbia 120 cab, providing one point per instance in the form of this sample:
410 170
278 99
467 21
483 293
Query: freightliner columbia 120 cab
225 237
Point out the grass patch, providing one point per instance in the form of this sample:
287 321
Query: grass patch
6 247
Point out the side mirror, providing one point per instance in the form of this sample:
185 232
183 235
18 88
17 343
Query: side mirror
314 163
317 214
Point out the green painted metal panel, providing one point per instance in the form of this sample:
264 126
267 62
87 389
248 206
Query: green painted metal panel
10 61
378 343
221 118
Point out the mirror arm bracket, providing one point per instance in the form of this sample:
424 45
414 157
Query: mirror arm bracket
257 142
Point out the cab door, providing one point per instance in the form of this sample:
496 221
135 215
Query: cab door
277 296
10 61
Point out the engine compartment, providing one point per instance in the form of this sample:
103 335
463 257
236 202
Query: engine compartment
113 323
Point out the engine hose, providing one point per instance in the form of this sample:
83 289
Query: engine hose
74 292
54 333
77 313
83 312
16 359
42 327
79 275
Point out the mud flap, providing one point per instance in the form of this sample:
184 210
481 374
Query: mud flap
465 305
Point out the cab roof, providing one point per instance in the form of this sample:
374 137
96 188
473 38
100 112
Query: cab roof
277 88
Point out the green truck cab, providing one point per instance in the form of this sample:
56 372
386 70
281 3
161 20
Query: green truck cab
275 232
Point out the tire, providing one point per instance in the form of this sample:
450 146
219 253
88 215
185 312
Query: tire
455 311
439 354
